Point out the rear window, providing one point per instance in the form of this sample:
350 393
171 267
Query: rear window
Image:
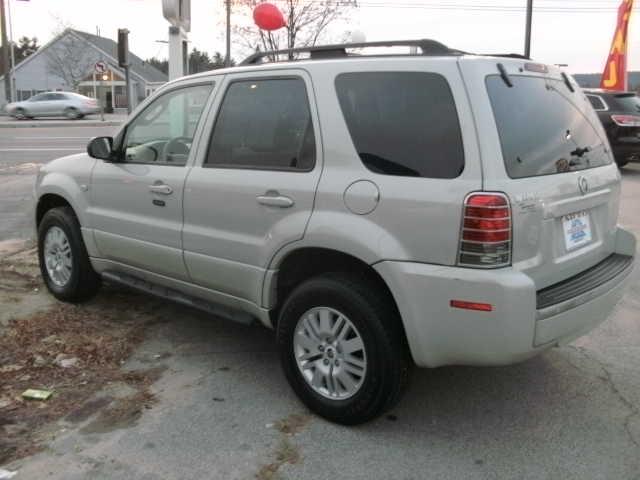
541 131
402 123
628 102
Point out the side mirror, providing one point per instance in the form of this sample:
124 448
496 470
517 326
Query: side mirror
101 148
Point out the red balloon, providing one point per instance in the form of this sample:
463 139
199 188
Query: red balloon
268 17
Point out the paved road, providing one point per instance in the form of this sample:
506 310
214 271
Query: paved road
22 150
572 413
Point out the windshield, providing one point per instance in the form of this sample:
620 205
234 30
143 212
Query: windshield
542 130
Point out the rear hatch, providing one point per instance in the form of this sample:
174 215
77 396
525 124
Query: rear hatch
543 146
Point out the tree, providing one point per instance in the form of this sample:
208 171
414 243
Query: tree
68 59
26 46
307 22
199 61
162 65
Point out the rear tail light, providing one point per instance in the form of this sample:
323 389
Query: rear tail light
485 239
626 120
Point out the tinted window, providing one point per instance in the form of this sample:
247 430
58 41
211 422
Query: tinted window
264 124
403 123
596 102
163 132
628 102
541 130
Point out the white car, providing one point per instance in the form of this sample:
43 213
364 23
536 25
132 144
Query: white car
54 104
376 211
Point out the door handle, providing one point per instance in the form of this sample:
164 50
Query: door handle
275 200
161 188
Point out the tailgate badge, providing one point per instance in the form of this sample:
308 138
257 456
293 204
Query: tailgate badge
583 185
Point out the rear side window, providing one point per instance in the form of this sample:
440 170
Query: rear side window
542 131
264 125
403 123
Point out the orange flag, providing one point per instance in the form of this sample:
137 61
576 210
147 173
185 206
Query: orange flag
615 71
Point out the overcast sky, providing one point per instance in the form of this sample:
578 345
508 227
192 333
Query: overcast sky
576 32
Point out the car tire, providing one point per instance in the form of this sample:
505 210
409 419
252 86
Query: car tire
373 321
622 162
62 255
71 113
20 114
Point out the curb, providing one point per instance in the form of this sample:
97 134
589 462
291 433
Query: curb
97 123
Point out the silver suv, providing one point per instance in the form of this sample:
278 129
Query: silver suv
376 211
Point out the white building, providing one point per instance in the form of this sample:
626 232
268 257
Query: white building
73 55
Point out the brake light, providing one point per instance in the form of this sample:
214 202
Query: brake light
626 120
465 305
485 239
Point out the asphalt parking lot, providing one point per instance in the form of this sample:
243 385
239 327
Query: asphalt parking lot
223 409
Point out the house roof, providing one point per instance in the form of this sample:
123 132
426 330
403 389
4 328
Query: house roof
108 47
136 64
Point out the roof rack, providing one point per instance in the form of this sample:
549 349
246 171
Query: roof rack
428 47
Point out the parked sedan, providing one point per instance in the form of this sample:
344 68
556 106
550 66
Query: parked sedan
54 104
619 113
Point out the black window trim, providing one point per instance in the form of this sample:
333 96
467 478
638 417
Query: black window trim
606 107
121 138
222 166
455 106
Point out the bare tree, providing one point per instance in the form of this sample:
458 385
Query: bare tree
68 59
307 22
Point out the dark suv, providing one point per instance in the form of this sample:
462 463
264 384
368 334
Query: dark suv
619 113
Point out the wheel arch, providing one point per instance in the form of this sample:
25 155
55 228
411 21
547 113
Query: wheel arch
302 263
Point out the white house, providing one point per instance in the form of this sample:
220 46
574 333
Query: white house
71 57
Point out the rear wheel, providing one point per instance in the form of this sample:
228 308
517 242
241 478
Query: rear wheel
71 113
342 348
63 258
622 162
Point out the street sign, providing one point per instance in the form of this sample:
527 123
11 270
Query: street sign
100 67
178 13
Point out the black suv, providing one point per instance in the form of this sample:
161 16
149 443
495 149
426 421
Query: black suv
619 113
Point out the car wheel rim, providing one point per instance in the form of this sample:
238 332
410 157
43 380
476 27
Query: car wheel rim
71 113
330 353
57 256
20 114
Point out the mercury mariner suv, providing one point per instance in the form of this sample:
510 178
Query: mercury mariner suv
377 209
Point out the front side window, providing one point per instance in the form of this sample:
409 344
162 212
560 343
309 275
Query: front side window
542 129
264 125
403 123
164 130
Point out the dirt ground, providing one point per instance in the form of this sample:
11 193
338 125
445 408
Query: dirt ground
73 351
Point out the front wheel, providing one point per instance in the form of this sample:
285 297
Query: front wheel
342 348
63 258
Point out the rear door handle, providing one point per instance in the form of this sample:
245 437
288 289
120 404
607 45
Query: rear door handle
161 188
276 200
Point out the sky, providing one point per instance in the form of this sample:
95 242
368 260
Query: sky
573 32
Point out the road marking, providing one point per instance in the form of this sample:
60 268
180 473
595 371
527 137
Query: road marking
76 149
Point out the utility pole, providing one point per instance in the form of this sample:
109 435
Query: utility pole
123 61
527 35
5 54
227 58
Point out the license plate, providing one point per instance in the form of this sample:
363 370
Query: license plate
577 229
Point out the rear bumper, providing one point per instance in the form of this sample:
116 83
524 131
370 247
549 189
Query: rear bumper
514 330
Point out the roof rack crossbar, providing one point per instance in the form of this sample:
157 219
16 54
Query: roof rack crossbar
428 47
